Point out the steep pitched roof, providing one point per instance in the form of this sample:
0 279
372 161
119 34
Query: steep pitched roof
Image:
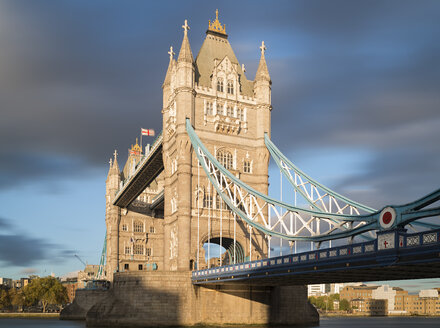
262 71
218 47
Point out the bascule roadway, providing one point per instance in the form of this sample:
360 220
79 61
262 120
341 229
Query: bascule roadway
395 255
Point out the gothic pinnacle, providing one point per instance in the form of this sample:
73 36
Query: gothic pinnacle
185 53
262 71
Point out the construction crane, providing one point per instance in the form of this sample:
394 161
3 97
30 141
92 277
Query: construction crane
85 263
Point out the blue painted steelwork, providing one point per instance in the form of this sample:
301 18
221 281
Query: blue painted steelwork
399 215
403 249
101 274
280 158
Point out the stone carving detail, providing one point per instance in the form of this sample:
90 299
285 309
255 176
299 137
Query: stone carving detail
171 121
173 242
412 241
226 124
429 238
385 241
357 250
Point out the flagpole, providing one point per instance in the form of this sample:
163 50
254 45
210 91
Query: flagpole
142 146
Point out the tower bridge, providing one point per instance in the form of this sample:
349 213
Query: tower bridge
205 180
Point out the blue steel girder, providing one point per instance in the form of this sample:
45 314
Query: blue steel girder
229 188
286 166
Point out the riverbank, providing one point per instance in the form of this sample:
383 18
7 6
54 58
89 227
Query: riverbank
29 315
356 315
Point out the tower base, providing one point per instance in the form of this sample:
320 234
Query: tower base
170 299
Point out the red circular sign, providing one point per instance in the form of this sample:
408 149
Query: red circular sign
386 218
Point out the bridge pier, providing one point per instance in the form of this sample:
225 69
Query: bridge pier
170 299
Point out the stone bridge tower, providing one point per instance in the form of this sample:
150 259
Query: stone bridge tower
230 114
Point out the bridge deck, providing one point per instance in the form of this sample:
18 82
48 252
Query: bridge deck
148 170
394 255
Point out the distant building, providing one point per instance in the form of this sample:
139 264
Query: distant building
369 306
390 294
318 289
428 293
71 285
6 282
357 292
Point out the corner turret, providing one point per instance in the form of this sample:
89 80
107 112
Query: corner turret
262 84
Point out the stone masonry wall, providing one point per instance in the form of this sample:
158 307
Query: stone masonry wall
84 300
169 298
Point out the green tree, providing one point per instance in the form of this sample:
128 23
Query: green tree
47 290
344 305
5 299
17 298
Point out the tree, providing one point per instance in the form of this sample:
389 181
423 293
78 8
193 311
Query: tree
344 305
5 299
47 290
17 298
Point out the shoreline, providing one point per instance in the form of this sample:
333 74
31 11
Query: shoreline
362 315
29 315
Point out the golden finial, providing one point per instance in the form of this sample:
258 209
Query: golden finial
135 149
216 26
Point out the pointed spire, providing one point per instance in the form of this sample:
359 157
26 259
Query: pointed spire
262 71
115 161
170 67
185 53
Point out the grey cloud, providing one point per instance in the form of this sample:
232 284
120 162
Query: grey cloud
80 79
21 250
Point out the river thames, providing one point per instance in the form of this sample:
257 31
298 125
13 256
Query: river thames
357 322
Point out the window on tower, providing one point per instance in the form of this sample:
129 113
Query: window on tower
231 87
138 226
124 227
207 201
229 111
240 114
138 249
127 250
219 203
247 166
209 108
226 159
220 85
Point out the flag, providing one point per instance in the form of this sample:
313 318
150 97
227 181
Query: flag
147 132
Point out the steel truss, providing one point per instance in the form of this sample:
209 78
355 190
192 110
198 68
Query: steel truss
253 206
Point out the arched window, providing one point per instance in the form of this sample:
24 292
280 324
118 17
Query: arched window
225 158
138 226
220 85
231 87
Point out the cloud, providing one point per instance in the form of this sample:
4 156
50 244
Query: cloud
21 250
4 225
366 75
28 271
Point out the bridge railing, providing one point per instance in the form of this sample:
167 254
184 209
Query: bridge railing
386 241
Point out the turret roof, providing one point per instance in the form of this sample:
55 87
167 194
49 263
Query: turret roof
185 53
217 46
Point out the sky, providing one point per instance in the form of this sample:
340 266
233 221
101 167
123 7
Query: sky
355 98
